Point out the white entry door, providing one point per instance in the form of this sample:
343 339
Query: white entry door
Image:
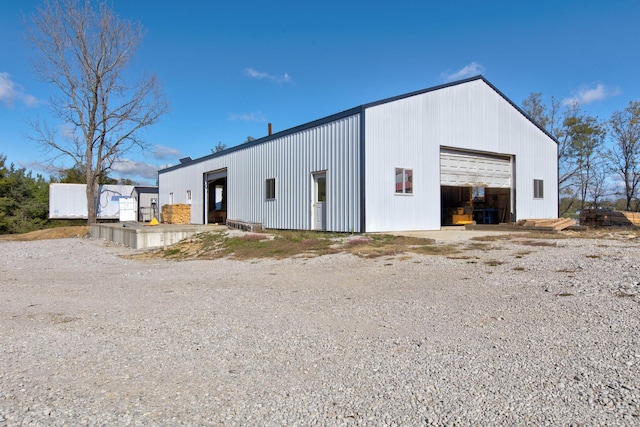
319 207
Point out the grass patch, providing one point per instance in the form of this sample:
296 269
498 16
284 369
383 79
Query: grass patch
521 254
476 246
537 243
280 244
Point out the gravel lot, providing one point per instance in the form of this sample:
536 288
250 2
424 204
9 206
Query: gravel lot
506 333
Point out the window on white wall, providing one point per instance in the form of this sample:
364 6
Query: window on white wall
188 197
404 181
170 198
270 190
538 189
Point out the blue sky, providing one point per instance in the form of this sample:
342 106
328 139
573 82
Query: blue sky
229 68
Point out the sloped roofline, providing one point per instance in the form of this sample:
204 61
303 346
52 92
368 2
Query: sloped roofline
459 82
350 112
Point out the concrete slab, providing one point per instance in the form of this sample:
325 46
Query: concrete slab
140 236
450 234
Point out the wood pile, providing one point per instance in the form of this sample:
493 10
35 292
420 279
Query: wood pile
543 225
608 218
557 224
176 214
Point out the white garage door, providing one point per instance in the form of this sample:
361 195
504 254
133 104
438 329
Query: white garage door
462 169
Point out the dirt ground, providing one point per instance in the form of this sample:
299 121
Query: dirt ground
49 233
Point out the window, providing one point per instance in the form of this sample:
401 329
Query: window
538 189
188 197
170 198
404 181
270 189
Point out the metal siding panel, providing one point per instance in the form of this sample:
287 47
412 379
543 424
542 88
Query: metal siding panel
291 160
471 116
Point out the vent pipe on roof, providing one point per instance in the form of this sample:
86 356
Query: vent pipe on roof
269 129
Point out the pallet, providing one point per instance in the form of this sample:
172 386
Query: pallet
243 225
606 218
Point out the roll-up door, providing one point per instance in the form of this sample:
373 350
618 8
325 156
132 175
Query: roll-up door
466 169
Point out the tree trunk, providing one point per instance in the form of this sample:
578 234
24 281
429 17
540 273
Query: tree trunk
92 201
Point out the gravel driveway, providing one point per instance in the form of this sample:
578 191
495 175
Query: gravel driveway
503 333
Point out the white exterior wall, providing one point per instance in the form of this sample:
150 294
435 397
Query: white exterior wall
69 201
291 159
409 133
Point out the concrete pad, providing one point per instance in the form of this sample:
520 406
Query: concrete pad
450 234
141 236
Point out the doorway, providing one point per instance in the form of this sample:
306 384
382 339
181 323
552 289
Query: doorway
216 197
319 201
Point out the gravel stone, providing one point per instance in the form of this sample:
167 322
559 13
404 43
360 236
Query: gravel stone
505 333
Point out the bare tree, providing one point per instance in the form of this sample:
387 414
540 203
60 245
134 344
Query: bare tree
599 187
625 153
85 52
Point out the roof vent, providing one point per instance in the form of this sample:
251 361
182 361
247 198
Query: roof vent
185 160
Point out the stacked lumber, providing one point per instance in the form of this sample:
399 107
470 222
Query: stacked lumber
176 214
556 224
633 217
608 218
542 225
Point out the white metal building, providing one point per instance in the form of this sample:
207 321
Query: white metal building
413 162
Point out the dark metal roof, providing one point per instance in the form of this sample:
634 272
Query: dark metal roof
350 112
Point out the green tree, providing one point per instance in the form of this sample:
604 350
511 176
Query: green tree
586 137
580 138
24 199
77 175
219 147
85 53
624 155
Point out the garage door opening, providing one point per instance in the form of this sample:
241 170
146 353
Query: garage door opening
479 205
216 197
475 187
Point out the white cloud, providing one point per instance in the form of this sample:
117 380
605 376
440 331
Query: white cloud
130 168
161 152
587 95
260 75
249 117
40 167
12 93
470 70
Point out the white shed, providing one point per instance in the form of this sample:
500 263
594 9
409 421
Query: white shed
450 154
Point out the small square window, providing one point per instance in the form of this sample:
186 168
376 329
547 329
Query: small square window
538 189
270 190
404 181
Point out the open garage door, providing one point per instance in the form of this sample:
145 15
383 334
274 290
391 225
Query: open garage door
465 169
475 187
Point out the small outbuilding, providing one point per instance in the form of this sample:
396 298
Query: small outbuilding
146 201
450 154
